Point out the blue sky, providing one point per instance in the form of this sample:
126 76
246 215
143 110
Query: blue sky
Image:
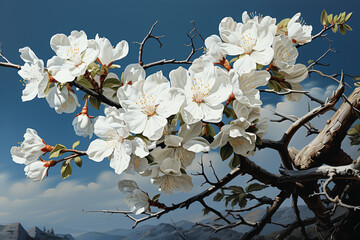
32 23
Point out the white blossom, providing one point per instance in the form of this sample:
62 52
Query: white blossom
180 150
244 86
74 54
30 149
297 32
36 170
242 142
83 126
112 142
108 54
205 87
249 40
62 100
138 201
35 78
284 58
148 104
169 182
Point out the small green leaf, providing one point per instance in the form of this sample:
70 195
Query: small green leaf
111 82
83 81
205 211
282 26
85 96
235 161
323 18
242 200
342 29
156 197
236 189
66 170
329 18
335 28
226 151
347 27
259 66
255 187
211 130
272 84
75 144
78 161
95 103
57 151
348 16
218 197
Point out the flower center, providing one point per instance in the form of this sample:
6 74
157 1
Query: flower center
147 104
168 182
247 42
200 90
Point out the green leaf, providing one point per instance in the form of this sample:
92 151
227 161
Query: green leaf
286 84
93 67
323 18
226 151
259 67
85 96
348 16
211 130
95 103
205 211
242 200
335 28
355 130
342 29
235 161
75 144
236 189
66 170
234 202
111 82
272 84
78 161
83 81
156 197
255 187
57 151
347 27
329 18
218 197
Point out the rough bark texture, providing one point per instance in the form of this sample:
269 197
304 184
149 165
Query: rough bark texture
325 148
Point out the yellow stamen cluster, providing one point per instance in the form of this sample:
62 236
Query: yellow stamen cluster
200 90
147 104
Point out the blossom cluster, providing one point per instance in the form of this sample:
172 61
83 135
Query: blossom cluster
164 122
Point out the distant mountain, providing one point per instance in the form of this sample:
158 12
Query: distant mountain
188 230
15 231
164 231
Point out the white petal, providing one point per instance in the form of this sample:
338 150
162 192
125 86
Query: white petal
99 149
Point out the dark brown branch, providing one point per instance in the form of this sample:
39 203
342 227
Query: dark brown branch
297 214
141 48
213 210
267 217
